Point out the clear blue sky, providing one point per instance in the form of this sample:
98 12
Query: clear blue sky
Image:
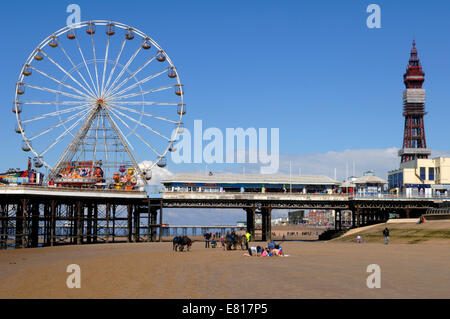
311 68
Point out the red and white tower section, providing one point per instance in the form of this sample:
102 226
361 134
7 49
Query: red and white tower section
414 142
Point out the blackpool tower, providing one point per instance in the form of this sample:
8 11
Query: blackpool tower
414 143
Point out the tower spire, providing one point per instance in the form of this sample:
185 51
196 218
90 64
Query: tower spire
414 143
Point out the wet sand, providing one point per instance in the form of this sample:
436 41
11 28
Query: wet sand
153 270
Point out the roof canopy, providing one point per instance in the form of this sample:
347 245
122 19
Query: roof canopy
251 179
370 179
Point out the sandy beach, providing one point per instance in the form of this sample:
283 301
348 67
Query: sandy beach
153 270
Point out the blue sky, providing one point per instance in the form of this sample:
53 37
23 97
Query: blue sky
310 68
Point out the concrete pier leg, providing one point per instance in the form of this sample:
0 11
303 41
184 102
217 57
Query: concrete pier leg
251 221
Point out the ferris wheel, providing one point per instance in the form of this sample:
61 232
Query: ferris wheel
100 93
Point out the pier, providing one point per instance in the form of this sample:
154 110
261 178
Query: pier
44 216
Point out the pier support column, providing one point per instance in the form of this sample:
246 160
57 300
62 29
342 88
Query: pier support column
150 229
79 225
266 231
353 218
136 230
52 222
153 222
34 225
335 220
251 221
160 222
130 222
19 226
340 219
108 215
4 226
358 217
89 223
24 223
95 222
114 223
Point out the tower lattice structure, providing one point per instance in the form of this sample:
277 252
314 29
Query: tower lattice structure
414 142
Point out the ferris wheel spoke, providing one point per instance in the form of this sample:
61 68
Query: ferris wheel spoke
94 153
41 88
53 102
143 92
86 66
57 113
141 124
104 66
150 77
146 103
134 73
63 134
104 136
61 82
95 62
135 133
62 69
92 93
130 60
115 63
144 113
70 118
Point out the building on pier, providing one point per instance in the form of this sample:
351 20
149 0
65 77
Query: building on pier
421 176
234 183
369 184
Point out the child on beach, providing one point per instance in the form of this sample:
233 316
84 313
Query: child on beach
222 241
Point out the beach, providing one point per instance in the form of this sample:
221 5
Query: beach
153 270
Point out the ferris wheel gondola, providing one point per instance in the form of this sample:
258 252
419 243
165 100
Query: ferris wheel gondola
92 93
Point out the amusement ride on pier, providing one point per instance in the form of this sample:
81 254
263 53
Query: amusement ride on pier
85 115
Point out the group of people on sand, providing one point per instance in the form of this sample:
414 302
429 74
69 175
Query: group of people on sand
271 250
210 238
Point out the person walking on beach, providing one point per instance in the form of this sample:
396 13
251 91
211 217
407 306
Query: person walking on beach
248 236
207 237
386 235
